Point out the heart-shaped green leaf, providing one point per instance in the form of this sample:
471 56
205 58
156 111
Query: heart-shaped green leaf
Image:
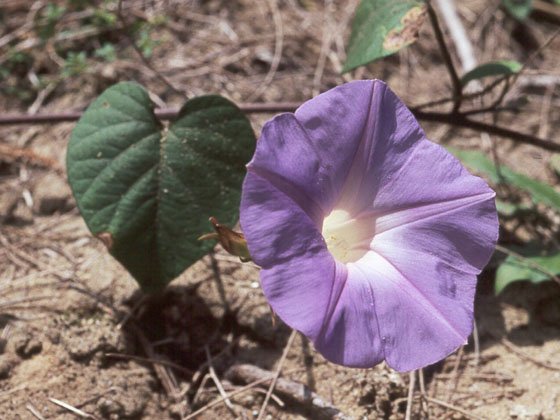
146 190
381 28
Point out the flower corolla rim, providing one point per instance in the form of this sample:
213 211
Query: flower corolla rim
369 236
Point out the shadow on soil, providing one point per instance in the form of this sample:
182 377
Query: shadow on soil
535 309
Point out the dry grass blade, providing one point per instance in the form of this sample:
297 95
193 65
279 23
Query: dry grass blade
278 47
510 346
277 374
231 394
423 393
455 373
221 390
34 411
454 408
149 360
9 392
72 409
236 392
410 397
167 381
476 343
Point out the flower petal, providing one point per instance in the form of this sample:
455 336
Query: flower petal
296 152
388 140
430 256
426 174
461 232
351 335
418 323
298 273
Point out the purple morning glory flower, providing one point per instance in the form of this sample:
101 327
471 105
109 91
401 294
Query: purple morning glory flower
369 236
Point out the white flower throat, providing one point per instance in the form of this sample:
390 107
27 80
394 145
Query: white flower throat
348 238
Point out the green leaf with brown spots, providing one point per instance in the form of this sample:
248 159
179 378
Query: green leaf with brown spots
146 190
381 28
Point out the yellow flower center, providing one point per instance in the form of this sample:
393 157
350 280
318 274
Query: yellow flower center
348 239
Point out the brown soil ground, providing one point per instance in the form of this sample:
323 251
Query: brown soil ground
73 326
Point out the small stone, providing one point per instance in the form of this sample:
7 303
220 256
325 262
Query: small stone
8 202
108 407
89 338
18 214
32 348
7 363
523 412
25 345
51 194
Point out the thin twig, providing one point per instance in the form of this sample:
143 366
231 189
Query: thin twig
163 114
533 56
200 389
34 411
550 10
410 397
231 394
457 86
544 123
423 393
453 407
296 394
277 374
476 341
459 120
72 409
510 346
167 381
272 397
489 88
150 360
455 373
468 96
216 380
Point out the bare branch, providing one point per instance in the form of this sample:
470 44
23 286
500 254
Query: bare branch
457 87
